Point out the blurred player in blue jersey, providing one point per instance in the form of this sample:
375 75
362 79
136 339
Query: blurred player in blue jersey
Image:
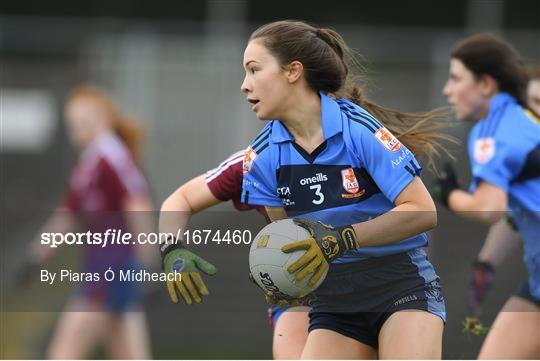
107 190
328 155
221 184
502 236
487 86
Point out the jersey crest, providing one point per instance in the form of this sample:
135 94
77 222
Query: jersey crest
484 150
349 181
387 139
249 158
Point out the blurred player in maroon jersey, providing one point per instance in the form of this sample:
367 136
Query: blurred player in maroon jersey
107 190
221 184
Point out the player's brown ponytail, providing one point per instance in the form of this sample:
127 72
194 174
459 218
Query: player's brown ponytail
328 67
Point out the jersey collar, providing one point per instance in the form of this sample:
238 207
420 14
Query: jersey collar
499 100
331 122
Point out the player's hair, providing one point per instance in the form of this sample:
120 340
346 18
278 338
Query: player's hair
534 73
331 66
488 54
126 128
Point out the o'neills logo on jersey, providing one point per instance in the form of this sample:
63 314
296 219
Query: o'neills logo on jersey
319 177
349 181
387 139
484 150
249 157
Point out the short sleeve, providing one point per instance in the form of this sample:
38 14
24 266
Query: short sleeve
259 179
391 165
225 181
495 161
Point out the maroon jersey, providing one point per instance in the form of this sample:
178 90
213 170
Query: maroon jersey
103 178
225 182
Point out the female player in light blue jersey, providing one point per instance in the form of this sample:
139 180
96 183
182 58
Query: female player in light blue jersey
486 86
331 160
502 236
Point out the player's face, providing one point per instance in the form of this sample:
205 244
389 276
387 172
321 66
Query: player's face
463 92
265 84
533 95
83 116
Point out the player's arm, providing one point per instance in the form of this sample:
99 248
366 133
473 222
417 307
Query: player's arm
414 213
140 219
414 210
501 239
487 204
488 201
38 253
190 198
276 213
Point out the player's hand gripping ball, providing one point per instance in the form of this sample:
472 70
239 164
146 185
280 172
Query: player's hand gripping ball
285 252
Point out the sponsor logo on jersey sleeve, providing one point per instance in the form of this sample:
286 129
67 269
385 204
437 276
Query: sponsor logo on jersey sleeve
484 150
387 139
285 194
396 162
249 158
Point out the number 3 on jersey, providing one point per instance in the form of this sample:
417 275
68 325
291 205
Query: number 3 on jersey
318 193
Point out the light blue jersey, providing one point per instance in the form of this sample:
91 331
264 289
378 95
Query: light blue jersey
504 150
356 174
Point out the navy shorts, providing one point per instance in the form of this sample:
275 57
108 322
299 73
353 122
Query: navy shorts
524 292
357 298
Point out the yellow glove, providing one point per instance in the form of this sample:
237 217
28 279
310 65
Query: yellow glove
325 244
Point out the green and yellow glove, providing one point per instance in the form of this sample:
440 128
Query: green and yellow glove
325 244
191 287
